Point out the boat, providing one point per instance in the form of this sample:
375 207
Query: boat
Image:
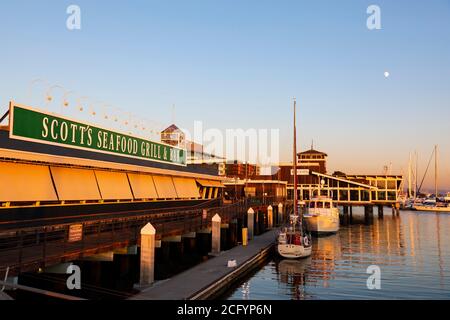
295 241
322 216
433 204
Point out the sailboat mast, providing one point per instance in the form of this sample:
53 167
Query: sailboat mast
416 172
295 162
409 177
436 171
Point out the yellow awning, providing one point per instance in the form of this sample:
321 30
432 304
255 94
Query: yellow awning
75 184
113 185
186 187
25 182
210 183
164 187
143 186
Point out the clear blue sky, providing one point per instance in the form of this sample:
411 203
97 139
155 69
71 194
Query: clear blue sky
237 64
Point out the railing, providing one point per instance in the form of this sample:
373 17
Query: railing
31 248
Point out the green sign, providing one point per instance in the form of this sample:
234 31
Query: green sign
37 126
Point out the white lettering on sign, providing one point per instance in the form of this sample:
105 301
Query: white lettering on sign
301 172
75 233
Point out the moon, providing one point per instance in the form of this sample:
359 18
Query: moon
386 74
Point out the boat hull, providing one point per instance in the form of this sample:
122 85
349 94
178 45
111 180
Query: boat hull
431 208
292 251
322 224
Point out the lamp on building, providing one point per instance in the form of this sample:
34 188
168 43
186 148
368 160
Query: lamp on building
79 104
48 95
65 100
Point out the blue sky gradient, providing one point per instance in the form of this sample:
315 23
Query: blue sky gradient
236 64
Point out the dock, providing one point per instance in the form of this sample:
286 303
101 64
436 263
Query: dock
210 278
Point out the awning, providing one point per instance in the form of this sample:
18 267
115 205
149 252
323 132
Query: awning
143 186
113 185
75 184
210 183
25 182
164 187
186 187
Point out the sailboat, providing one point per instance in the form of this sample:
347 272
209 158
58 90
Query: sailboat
435 204
294 241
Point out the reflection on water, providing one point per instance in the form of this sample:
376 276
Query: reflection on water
412 251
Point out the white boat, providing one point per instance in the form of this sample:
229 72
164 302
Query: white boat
432 208
435 204
294 241
322 216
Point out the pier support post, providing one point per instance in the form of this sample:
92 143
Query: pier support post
215 245
280 213
147 274
250 223
380 212
351 214
368 214
269 217
397 208
345 210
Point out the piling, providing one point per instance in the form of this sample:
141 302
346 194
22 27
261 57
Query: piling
368 214
147 274
250 223
215 244
280 214
269 217
380 212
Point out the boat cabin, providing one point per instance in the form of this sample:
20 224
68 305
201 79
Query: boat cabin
322 203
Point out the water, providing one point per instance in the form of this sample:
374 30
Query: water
412 251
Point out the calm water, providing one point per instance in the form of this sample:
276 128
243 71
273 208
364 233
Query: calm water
412 251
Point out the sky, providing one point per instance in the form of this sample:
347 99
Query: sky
237 64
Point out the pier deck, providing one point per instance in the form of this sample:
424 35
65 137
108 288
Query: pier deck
207 278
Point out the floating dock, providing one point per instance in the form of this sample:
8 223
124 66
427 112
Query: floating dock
211 278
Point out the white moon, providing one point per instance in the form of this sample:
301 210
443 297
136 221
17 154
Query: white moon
386 74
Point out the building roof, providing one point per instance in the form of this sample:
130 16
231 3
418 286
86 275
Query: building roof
312 151
171 128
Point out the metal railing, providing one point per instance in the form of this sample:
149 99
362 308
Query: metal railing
31 248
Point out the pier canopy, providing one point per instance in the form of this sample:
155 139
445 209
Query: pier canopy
17 177
351 189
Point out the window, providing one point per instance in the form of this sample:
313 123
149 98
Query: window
327 205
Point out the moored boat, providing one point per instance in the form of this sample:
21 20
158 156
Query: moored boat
294 241
322 216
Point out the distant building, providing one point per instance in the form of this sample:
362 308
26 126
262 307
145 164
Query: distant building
312 179
196 157
174 136
241 170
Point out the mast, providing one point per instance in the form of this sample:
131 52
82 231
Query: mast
409 177
436 171
415 175
295 163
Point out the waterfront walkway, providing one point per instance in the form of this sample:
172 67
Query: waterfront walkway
213 275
